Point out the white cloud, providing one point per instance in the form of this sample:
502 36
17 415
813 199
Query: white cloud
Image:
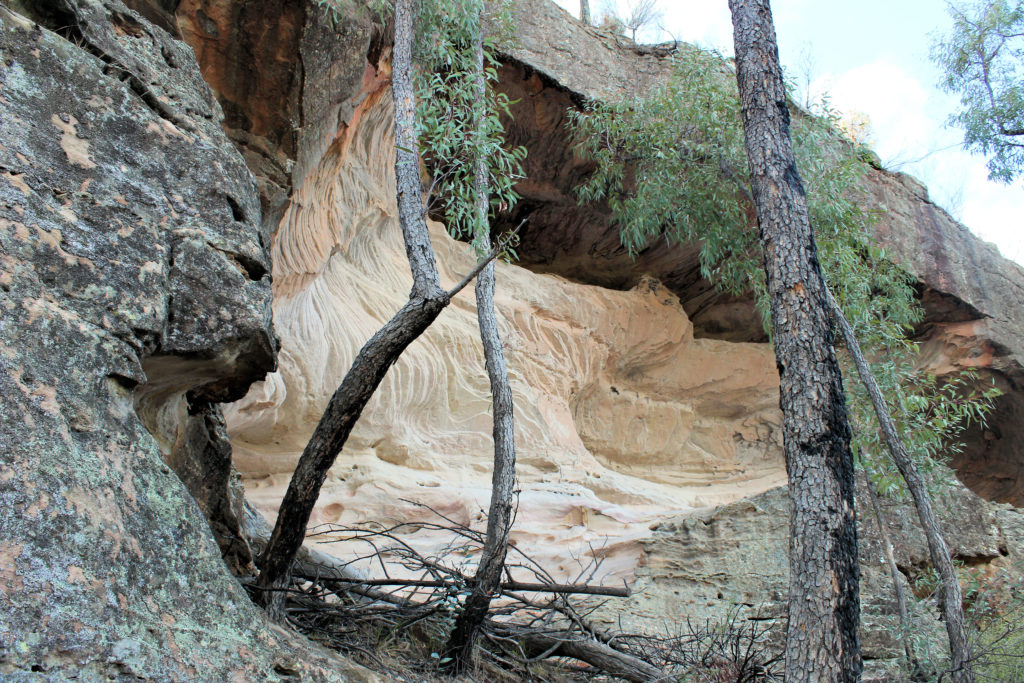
908 121
895 102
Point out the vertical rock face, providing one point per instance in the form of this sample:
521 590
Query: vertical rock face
973 299
134 297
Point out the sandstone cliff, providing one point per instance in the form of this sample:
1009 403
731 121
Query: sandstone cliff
142 216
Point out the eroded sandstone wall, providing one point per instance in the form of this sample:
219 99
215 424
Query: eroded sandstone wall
641 393
667 417
622 415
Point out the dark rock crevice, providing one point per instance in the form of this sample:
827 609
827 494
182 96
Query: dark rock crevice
580 241
991 463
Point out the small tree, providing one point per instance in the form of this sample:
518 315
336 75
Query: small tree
426 301
671 163
982 60
462 135
640 13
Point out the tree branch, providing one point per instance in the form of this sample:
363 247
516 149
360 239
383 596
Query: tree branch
558 588
952 599
494 253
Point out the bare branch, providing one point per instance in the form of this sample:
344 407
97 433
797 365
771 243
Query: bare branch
503 244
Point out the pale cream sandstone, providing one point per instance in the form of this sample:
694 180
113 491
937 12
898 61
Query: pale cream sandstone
623 418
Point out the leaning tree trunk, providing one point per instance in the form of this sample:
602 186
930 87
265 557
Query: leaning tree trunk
952 598
499 517
822 641
426 302
894 574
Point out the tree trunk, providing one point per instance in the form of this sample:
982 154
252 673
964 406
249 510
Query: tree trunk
952 598
426 301
894 572
499 516
585 12
822 641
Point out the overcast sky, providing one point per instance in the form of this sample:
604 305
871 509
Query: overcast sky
872 57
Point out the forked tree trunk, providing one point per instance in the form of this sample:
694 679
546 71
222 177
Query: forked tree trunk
822 641
462 640
426 301
952 597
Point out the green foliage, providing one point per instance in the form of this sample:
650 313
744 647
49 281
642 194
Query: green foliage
337 10
930 412
448 110
660 162
673 165
982 60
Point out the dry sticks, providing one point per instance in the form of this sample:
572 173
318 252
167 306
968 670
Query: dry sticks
407 611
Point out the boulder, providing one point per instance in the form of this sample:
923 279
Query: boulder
136 297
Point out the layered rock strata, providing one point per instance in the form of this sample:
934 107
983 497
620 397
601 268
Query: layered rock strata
640 390
619 426
622 415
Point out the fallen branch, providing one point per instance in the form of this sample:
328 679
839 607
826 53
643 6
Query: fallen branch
561 588
598 655
545 620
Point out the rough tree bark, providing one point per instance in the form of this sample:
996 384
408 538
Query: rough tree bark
952 597
426 301
585 11
822 641
499 516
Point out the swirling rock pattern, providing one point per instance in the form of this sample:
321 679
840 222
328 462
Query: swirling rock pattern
622 416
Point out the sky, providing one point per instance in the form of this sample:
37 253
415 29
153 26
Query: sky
871 58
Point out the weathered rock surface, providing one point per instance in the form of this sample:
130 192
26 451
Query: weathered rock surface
703 564
135 296
974 299
133 278
631 400
622 414
599 376
339 273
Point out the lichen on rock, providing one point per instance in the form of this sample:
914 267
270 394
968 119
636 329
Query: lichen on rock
132 273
